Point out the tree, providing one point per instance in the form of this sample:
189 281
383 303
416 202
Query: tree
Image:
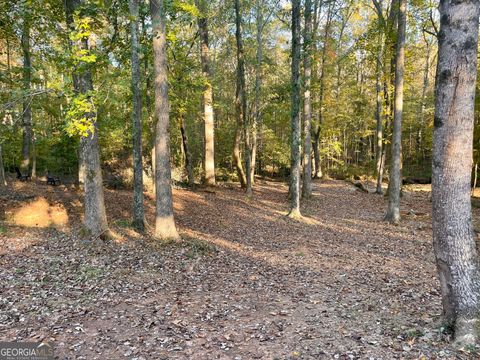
295 114
453 236
3 181
423 104
27 78
257 116
395 181
138 210
241 107
346 49
321 93
209 145
186 151
307 104
164 220
95 218
379 151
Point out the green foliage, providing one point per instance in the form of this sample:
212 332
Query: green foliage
185 7
348 105
81 115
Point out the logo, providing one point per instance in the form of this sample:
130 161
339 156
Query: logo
26 351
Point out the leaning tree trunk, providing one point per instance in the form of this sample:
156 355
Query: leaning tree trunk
237 159
394 187
453 236
241 99
307 103
138 209
295 114
164 220
95 217
209 156
27 109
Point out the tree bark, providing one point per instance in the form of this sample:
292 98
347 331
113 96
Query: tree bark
475 178
295 114
379 129
138 209
237 159
379 108
164 220
394 188
70 6
34 158
426 84
209 146
241 100
316 140
307 103
257 134
453 236
3 181
187 154
27 99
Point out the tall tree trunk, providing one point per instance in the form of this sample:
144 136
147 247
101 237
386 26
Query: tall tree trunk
307 103
209 156
3 181
9 74
379 109
257 134
148 103
426 84
95 218
241 99
164 220
390 26
453 236
316 153
138 209
379 118
394 188
187 154
70 6
295 114
316 140
475 178
34 158
27 99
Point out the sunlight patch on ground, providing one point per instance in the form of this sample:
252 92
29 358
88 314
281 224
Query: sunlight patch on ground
39 213
419 187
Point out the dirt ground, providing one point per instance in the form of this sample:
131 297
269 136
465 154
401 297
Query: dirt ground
246 282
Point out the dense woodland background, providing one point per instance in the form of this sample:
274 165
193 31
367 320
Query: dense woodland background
350 49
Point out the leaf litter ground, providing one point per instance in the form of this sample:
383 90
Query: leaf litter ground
246 282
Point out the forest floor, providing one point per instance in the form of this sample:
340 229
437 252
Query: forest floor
246 282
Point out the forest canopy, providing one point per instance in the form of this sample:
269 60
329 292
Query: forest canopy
347 39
